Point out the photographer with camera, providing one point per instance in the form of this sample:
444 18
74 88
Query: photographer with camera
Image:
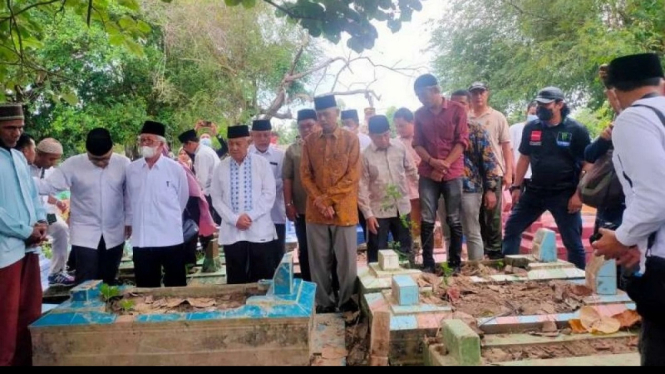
639 159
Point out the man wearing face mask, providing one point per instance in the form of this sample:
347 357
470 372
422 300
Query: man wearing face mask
554 147
205 160
158 192
96 180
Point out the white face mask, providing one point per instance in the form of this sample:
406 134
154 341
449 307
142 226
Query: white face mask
531 117
148 152
207 142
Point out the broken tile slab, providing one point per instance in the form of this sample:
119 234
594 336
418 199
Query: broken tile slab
620 297
534 275
513 340
601 276
626 359
560 264
517 324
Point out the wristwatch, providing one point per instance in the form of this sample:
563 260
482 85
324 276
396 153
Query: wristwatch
514 188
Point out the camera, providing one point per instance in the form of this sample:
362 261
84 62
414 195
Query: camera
606 225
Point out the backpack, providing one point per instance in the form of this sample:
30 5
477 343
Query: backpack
600 187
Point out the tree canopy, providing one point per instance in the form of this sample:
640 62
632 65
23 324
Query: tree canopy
521 46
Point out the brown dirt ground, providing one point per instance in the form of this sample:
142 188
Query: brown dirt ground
142 304
571 349
507 299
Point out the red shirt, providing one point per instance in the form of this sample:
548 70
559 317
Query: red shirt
439 133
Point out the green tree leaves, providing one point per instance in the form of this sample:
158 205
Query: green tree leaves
333 18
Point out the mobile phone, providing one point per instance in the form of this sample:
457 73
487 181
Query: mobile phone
207 124
51 219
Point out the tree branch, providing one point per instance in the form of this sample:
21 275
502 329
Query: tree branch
28 8
89 12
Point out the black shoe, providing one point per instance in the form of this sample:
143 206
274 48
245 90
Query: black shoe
350 307
495 255
457 270
429 270
325 309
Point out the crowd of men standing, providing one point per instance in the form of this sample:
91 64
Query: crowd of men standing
453 158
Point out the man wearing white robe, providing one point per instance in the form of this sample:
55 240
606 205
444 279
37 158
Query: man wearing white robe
243 192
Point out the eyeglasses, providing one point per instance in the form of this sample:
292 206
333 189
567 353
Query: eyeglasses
146 141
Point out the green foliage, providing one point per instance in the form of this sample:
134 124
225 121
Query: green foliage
109 292
521 46
24 30
447 272
126 305
332 18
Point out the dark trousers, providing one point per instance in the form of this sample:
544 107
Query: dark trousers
71 261
249 262
490 223
379 241
303 255
652 343
100 263
533 204
21 305
430 191
363 223
193 212
148 263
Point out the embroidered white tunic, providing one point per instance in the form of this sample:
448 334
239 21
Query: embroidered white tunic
246 188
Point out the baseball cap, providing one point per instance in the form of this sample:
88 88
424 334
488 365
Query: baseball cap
549 94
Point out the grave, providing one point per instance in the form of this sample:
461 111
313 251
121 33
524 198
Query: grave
411 320
275 328
377 277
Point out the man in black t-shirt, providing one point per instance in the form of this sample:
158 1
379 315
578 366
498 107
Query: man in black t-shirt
554 147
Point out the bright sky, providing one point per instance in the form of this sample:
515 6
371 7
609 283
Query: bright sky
405 49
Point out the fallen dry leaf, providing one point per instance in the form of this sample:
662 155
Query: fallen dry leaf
577 327
201 303
453 294
567 331
588 316
580 290
628 319
333 353
508 269
174 302
149 299
606 326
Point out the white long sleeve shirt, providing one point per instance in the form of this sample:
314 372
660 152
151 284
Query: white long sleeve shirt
99 201
639 160
247 188
205 162
158 198
275 158
39 174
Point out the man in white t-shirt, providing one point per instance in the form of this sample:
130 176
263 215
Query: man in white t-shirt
516 134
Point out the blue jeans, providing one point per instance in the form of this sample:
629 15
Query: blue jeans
531 206
430 191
